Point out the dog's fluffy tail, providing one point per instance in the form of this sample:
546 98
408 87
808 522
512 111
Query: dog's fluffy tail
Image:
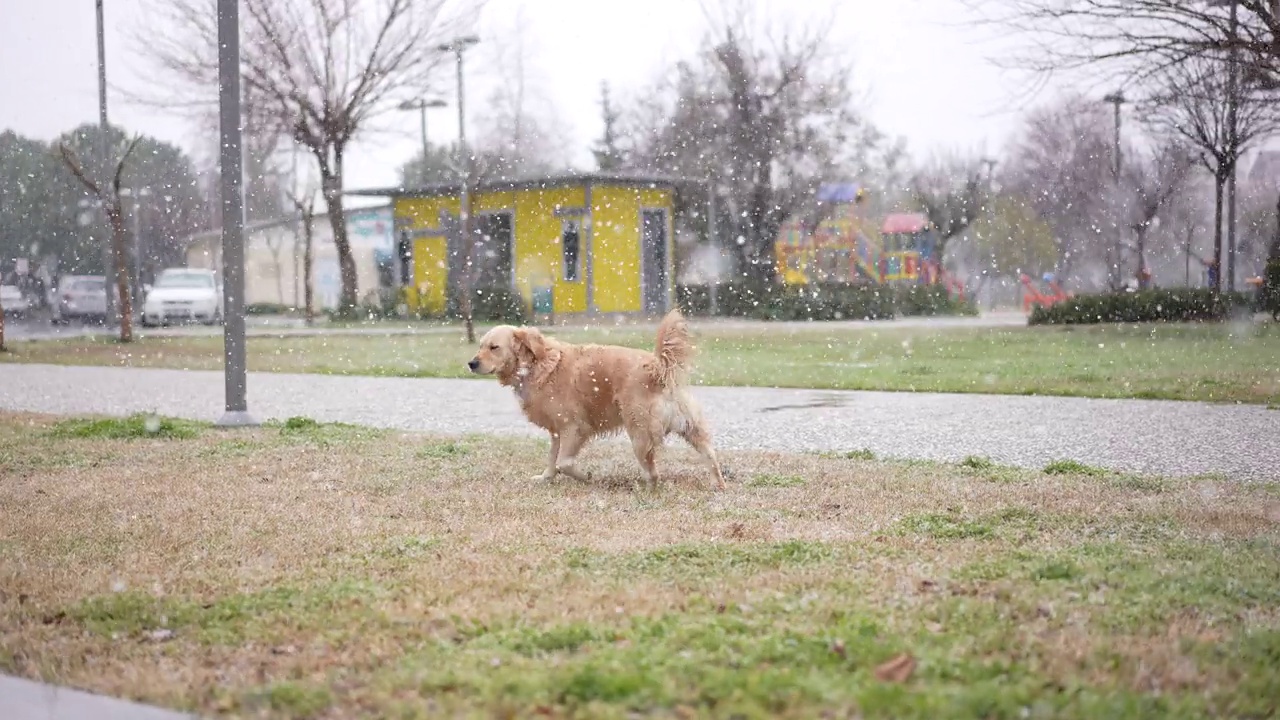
674 350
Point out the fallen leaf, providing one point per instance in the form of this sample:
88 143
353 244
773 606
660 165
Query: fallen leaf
838 648
897 669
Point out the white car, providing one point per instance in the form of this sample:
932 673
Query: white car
81 297
13 302
183 295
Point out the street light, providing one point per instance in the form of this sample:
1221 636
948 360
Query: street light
1117 99
421 105
138 196
458 46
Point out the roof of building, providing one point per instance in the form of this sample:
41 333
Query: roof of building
1266 166
904 223
839 192
525 184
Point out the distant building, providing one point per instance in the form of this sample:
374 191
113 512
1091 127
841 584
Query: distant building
273 257
1265 170
567 244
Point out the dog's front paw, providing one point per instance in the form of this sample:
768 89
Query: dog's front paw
544 477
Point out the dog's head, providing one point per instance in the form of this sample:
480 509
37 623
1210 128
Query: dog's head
505 350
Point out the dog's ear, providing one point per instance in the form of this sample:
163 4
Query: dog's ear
530 345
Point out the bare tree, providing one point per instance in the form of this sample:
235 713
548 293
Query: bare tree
325 70
1191 104
1138 39
519 132
953 194
110 198
765 111
608 151
1061 164
1157 179
304 203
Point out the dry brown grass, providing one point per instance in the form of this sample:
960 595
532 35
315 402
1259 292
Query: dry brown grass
337 571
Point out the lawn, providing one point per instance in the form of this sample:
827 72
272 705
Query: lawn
1218 363
303 570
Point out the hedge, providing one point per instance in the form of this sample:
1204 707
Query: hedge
829 301
491 305
1172 305
1269 295
269 309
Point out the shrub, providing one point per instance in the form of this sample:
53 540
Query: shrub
1269 294
930 300
491 305
268 309
1173 305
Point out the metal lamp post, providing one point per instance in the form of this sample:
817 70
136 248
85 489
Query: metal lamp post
231 169
458 46
138 196
1117 99
422 105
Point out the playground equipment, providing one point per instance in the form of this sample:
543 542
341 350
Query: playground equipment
841 245
1032 296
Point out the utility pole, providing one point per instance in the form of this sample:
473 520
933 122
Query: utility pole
422 105
457 47
1233 139
107 268
1117 99
231 169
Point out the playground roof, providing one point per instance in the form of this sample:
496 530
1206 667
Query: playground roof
904 223
839 192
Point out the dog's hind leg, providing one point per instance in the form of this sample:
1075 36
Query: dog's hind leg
571 441
550 472
697 436
646 450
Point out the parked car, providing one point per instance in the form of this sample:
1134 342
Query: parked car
11 298
183 295
80 297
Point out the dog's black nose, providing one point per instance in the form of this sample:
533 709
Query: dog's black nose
473 364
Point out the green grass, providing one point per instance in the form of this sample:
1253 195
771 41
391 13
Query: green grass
775 480
1072 467
1217 363
140 426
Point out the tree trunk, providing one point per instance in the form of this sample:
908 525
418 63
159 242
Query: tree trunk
1219 181
2 345
308 289
118 239
1231 230
1140 241
1273 253
332 182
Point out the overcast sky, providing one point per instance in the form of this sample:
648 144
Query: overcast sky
927 70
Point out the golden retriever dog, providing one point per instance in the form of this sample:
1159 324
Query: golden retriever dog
578 392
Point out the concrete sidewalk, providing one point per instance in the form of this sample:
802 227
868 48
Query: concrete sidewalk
27 700
1143 436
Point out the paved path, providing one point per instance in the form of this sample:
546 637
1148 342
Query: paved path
26 700
1147 436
